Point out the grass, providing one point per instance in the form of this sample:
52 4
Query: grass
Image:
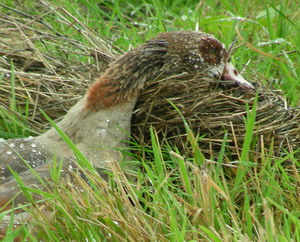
173 197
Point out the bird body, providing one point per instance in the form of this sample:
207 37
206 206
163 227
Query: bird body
99 135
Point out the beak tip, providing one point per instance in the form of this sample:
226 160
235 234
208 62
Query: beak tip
230 73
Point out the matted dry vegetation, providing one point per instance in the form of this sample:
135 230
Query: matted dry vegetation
213 108
172 197
48 68
53 71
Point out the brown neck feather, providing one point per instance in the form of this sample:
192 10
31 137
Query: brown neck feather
126 76
101 94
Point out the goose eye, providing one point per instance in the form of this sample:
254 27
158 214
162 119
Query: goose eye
213 51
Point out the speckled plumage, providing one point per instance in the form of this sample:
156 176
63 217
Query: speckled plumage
169 53
99 124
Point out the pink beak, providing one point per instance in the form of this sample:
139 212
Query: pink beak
230 73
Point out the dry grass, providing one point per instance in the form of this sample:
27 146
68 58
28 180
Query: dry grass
55 79
48 71
171 198
211 108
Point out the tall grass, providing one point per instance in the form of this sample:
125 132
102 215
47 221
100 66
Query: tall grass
172 197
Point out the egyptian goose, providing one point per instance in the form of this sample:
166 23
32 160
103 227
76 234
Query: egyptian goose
99 124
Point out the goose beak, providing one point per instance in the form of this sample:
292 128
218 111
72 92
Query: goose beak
230 73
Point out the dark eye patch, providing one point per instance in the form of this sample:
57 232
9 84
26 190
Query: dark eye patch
211 50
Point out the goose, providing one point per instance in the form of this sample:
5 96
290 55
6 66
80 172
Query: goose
99 124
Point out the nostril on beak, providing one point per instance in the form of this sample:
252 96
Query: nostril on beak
230 73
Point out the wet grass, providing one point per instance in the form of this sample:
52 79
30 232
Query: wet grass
173 197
